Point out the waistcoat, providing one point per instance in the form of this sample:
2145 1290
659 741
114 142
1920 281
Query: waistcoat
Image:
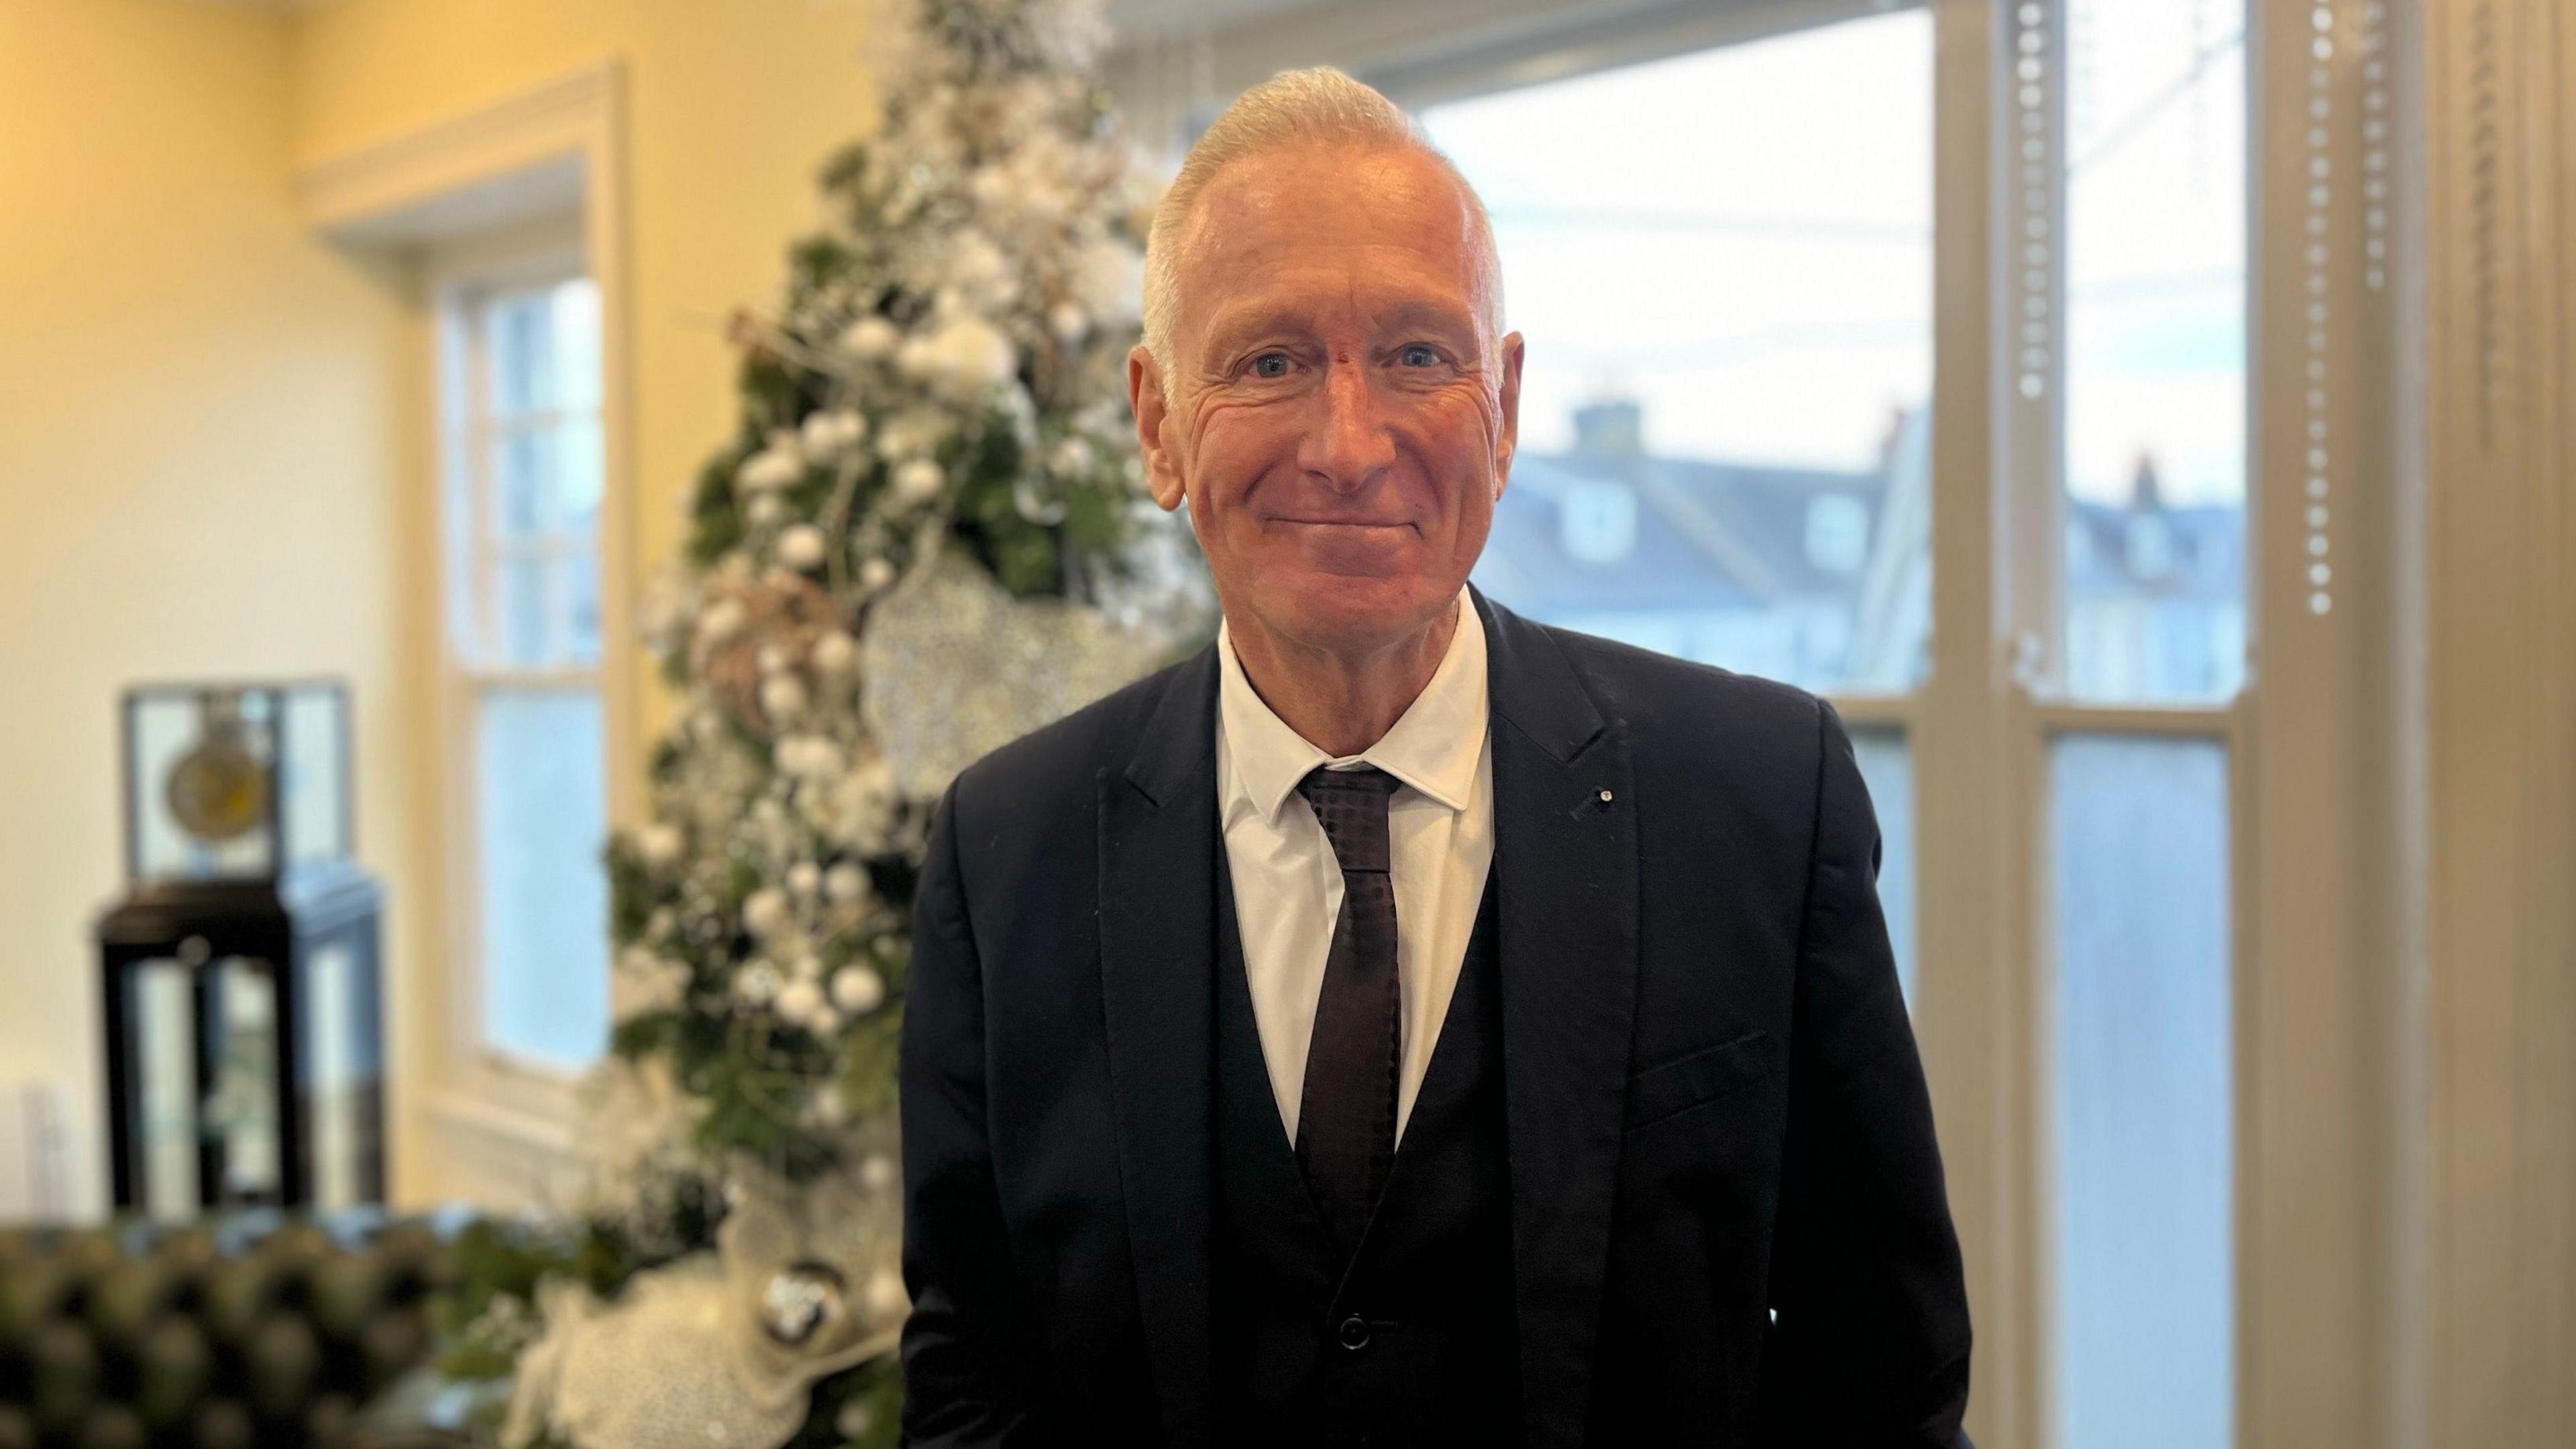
1410 1340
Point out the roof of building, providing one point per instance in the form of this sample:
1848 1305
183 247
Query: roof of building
1727 536
1707 535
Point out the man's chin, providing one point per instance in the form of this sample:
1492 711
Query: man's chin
1339 611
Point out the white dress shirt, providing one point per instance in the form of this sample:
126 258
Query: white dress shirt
1288 884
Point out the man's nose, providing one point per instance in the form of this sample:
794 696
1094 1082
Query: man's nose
1350 443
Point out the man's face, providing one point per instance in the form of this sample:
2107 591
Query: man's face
1338 416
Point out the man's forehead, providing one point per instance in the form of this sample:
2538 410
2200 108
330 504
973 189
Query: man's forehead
1331 192
1384 229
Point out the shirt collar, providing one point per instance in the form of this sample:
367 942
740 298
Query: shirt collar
1434 747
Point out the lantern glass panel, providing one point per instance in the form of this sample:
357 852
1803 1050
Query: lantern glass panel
242 1108
164 1101
313 774
341 1076
200 767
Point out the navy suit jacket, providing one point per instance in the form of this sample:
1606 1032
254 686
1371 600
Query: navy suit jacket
1727 1215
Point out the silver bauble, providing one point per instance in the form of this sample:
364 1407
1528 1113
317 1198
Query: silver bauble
801 1301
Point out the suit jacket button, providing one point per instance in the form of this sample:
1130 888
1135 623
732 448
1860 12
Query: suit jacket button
1355 1333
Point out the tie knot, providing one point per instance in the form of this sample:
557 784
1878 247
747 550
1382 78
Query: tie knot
1351 806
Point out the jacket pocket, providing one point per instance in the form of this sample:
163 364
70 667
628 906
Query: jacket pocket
1698 1078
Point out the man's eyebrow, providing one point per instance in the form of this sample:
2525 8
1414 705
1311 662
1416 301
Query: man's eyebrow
1234 326
1427 313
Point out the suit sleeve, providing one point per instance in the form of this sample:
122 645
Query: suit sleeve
1868 1344
962 1345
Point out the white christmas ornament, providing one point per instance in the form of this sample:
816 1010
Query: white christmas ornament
799 1001
846 883
1107 278
806 757
720 620
912 433
801 547
772 467
833 431
857 990
765 911
835 654
919 481
963 357
979 271
756 984
827 1108
782 697
872 338
659 845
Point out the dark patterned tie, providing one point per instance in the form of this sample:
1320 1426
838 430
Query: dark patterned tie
1346 1116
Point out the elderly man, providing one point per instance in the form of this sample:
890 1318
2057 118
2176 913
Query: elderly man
1403 1023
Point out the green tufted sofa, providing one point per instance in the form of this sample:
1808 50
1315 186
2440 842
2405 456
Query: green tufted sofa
256 1330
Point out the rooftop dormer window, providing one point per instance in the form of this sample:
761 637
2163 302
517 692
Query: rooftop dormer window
1837 533
1599 520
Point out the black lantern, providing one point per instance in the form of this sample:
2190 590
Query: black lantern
245 1060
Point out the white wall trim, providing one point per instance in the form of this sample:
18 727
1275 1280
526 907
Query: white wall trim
359 192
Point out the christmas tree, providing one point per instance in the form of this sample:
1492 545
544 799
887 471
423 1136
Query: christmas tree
928 535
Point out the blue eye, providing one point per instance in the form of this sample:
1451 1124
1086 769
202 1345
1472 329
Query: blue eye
1261 366
1427 355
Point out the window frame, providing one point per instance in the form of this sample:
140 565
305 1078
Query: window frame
461 277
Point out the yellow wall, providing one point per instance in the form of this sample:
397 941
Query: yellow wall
213 445
199 425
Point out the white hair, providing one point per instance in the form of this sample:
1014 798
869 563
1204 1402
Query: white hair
1316 106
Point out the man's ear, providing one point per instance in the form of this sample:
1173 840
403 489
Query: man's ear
1508 443
1145 396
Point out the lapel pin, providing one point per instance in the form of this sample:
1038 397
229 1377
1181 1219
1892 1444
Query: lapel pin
1605 797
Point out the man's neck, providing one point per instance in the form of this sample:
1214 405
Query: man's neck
1341 704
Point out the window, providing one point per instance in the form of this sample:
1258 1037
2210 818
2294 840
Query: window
2140 1094
2130 406
1724 430
524 477
2154 405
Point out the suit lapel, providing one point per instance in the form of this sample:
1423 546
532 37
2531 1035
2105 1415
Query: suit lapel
1158 844
1566 857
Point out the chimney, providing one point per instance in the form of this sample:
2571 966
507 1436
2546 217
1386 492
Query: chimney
2146 490
1612 428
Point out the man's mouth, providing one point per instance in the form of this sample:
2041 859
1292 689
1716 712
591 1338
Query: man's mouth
1341 523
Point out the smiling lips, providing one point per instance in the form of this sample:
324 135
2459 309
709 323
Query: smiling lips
1340 523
